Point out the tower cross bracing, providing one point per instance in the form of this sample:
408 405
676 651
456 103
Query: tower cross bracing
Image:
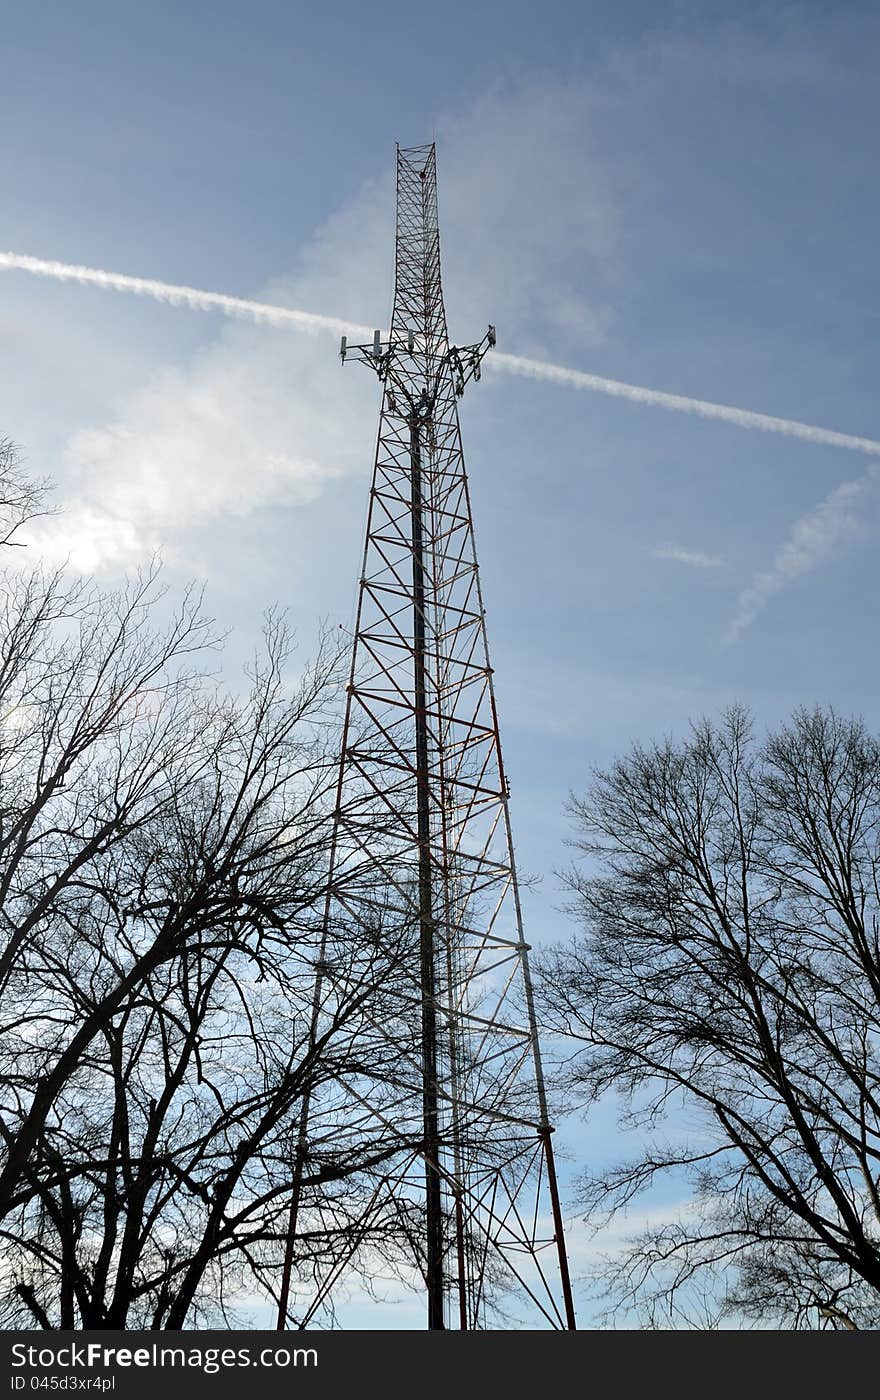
423 857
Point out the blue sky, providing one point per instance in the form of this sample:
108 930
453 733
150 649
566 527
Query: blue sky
682 196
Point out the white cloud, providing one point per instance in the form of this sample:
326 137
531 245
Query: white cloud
818 537
88 538
263 418
694 557
216 440
529 226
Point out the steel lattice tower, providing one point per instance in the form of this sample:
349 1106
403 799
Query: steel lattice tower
422 834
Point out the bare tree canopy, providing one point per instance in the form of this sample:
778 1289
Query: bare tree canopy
727 985
22 496
210 1055
163 870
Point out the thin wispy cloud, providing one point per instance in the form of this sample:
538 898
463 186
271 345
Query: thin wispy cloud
194 298
695 558
817 538
246 426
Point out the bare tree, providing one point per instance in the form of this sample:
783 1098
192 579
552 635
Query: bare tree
163 867
22 496
210 1058
726 985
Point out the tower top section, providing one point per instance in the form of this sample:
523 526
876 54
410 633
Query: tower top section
418 350
418 295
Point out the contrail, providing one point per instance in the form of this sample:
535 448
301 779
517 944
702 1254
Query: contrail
724 413
311 321
173 295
